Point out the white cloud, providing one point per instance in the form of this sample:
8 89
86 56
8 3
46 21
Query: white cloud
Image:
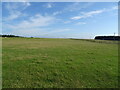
92 13
57 12
48 5
34 22
17 6
78 6
112 9
13 16
15 10
66 22
34 26
58 31
27 4
28 32
80 23
115 8
88 14
74 7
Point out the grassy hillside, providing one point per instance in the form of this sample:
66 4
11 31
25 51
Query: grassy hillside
61 63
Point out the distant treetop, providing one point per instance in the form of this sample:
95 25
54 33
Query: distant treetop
9 36
107 37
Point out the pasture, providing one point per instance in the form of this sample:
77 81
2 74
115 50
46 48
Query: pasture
59 63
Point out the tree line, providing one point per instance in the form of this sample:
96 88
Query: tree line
9 36
107 37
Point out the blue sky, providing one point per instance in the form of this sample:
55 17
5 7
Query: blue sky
60 19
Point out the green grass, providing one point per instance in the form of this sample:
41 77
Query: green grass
59 63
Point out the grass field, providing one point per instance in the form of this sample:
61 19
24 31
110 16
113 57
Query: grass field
59 63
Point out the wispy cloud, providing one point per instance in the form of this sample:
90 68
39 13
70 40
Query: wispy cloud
80 23
92 13
34 22
15 10
66 22
115 8
33 26
88 14
48 5
58 31
12 16
74 6
57 12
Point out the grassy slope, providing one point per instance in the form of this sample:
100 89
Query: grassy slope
58 63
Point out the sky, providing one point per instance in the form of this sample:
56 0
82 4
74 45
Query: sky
83 20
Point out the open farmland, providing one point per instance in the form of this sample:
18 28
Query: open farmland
59 63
